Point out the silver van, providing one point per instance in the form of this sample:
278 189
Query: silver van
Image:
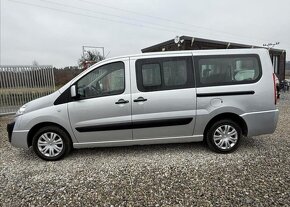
216 96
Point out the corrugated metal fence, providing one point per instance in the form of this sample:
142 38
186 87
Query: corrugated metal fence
21 84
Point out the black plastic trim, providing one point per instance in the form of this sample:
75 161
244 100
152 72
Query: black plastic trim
65 97
10 127
234 93
136 125
140 99
122 101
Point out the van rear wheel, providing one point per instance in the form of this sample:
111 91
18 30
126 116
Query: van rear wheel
224 136
51 143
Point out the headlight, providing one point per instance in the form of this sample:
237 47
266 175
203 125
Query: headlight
21 110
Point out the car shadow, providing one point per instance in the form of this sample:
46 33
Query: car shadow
145 150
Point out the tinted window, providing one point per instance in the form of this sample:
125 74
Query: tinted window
164 73
151 75
103 81
227 70
175 73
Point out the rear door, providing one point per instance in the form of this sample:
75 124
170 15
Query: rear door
163 97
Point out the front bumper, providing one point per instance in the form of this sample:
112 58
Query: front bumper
17 138
10 127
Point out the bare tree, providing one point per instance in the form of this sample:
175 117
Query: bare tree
90 58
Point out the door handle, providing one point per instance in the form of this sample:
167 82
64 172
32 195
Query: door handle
121 101
140 99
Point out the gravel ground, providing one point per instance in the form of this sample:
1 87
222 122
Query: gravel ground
257 174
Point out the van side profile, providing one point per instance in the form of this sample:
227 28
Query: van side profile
217 96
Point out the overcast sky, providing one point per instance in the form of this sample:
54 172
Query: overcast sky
53 32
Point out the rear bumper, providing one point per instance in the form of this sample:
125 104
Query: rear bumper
262 122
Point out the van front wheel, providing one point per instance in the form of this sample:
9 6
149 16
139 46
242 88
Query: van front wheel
51 143
224 136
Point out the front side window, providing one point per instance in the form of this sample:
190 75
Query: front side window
103 81
164 73
227 70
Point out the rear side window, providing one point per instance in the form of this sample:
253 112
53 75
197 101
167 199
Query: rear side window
175 73
228 70
164 73
151 74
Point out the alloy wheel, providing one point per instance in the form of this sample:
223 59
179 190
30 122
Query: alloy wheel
225 137
50 144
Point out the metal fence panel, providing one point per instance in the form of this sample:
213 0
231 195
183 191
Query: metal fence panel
21 84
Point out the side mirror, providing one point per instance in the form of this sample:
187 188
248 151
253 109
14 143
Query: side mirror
73 91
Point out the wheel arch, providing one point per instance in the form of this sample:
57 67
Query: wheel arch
232 116
38 126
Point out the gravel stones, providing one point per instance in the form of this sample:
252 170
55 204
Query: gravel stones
257 174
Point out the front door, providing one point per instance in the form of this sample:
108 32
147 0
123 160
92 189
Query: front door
163 97
102 112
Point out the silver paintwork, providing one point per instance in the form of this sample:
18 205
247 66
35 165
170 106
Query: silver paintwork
193 138
73 91
167 104
258 110
102 110
50 144
225 137
261 123
19 139
39 111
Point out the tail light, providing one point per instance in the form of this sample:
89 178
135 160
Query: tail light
275 89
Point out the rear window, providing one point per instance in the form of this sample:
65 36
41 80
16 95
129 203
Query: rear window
228 70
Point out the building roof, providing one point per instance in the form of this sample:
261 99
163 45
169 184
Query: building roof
196 39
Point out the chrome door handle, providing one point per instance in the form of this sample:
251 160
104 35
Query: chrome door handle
140 99
122 101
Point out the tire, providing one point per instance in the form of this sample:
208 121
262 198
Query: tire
227 141
51 143
278 92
